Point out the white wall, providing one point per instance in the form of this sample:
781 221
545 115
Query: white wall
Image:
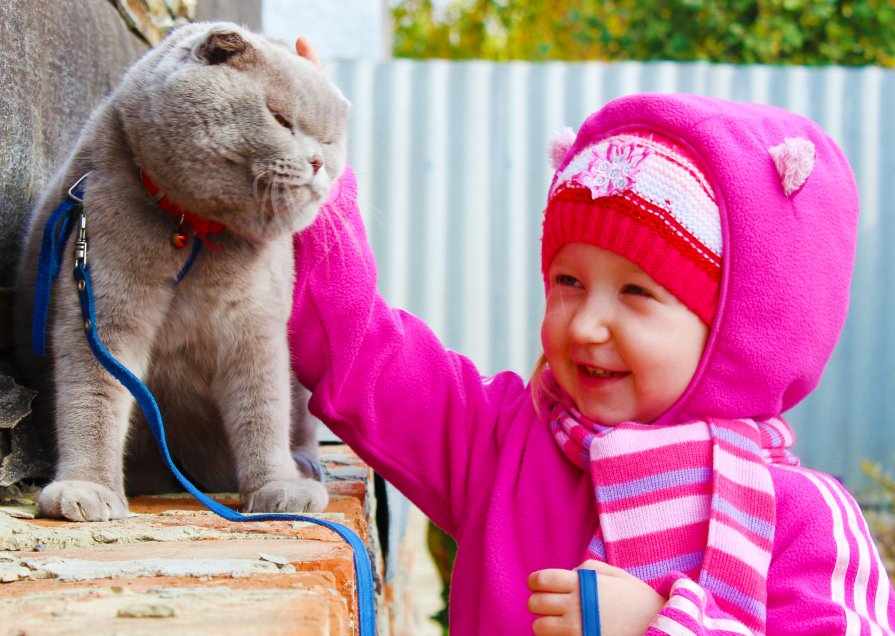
338 29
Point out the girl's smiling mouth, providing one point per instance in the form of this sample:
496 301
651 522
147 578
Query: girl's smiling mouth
597 375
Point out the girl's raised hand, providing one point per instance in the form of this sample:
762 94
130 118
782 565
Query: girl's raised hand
627 604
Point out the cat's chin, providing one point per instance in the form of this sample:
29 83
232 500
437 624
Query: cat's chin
305 220
297 211
278 226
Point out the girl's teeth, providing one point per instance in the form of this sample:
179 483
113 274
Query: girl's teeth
599 373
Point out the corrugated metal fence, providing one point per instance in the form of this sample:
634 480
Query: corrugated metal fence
452 168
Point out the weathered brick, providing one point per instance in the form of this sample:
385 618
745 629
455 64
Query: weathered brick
175 567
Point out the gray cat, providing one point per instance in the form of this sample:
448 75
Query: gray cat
245 138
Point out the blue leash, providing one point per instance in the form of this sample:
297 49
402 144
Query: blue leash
590 603
58 226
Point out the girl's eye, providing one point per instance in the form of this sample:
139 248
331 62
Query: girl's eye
566 280
281 120
636 290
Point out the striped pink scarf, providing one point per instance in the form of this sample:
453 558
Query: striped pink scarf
694 497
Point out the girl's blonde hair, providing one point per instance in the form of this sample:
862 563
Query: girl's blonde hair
542 386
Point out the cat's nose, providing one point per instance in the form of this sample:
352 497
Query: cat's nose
316 162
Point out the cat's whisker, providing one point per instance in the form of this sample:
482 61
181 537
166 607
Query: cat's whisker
265 195
273 191
275 197
291 206
334 225
255 183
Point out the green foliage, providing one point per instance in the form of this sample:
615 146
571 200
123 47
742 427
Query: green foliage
810 32
444 551
881 517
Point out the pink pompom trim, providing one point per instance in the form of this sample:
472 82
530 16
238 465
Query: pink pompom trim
558 145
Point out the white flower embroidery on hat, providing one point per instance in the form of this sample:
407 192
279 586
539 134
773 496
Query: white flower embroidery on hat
794 159
614 171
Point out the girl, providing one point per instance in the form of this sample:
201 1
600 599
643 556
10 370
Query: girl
696 257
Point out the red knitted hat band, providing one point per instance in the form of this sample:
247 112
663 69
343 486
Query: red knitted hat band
644 198
668 254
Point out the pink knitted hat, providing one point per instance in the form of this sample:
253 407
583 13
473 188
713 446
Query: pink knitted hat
643 197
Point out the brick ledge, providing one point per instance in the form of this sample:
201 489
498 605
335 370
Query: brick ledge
175 567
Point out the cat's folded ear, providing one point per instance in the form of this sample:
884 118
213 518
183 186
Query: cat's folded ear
222 46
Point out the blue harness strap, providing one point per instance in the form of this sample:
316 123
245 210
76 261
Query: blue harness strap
58 225
590 602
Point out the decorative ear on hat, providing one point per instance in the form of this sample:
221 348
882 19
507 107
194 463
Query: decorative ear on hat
794 159
559 144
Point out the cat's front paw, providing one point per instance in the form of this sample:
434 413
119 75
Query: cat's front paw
300 495
78 500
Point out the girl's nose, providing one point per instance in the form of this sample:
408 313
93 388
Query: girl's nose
591 324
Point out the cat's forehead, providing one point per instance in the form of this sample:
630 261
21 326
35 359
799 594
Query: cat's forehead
298 86
313 89
278 67
218 63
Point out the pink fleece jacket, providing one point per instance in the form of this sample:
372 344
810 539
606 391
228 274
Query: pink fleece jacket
474 455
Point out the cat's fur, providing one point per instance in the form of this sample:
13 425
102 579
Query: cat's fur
237 129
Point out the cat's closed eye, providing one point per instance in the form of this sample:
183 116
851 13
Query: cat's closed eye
281 119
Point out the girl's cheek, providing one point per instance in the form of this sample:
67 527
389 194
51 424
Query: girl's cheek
549 328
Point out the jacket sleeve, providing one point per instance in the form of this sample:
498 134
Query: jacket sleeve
825 577
379 377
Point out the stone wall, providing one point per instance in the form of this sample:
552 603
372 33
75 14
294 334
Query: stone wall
244 12
59 59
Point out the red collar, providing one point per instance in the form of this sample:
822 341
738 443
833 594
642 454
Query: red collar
197 226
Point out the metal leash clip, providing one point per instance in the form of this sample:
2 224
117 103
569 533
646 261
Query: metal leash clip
81 242
75 194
